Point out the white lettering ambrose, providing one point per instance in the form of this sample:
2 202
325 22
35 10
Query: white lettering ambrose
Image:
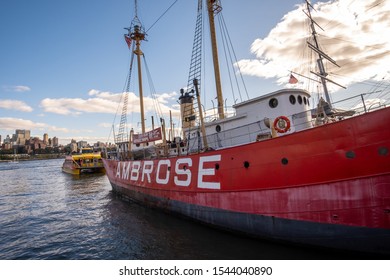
185 173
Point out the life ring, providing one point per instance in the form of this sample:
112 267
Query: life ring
282 124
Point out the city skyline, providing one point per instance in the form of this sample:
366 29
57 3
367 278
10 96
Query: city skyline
13 138
22 136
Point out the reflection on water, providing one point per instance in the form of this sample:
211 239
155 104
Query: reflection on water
48 214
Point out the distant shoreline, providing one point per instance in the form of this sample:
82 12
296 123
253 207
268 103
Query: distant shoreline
11 158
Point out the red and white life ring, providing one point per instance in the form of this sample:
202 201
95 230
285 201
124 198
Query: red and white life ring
282 124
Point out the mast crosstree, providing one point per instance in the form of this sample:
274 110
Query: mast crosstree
321 55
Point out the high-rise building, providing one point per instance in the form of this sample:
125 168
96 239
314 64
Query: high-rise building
20 136
55 142
46 138
82 144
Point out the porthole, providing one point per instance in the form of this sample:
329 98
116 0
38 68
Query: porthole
273 103
383 151
293 100
350 154
304 100
299 99
218 128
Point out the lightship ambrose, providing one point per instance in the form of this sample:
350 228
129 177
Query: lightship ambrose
275 169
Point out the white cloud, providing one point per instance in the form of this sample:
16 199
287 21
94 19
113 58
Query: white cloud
76 106
15 105
13 123
17 88
355 36
105 125
106 102
106 95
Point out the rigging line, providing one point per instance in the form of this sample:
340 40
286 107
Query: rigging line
124 91
203 69
375 5
384 92
131 68
378 85
235 58
375 89
156 104
366 82
226 59
123 126
333 19
232 58
163 14
348 41
136 8
226 37
355 14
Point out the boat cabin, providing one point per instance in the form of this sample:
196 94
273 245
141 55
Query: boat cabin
275 114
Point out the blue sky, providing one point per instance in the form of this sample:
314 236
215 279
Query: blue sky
64 63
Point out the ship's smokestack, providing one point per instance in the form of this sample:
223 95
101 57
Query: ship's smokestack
187 109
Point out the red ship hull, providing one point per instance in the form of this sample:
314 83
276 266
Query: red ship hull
327 186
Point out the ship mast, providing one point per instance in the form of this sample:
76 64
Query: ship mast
214 8
137 33
321 55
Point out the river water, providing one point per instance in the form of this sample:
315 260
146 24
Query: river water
47 214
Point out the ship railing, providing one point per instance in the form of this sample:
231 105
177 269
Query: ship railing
364 102
211 115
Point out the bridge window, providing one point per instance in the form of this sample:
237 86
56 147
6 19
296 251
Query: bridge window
273 103
292 99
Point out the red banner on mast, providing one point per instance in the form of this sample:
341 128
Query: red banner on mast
149 136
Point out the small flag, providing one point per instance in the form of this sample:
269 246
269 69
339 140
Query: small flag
293 80
128 40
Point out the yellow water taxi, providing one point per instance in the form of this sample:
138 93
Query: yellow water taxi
86 161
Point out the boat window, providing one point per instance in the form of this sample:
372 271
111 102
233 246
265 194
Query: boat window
218 128
304 100
292 99
299 99
273 103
